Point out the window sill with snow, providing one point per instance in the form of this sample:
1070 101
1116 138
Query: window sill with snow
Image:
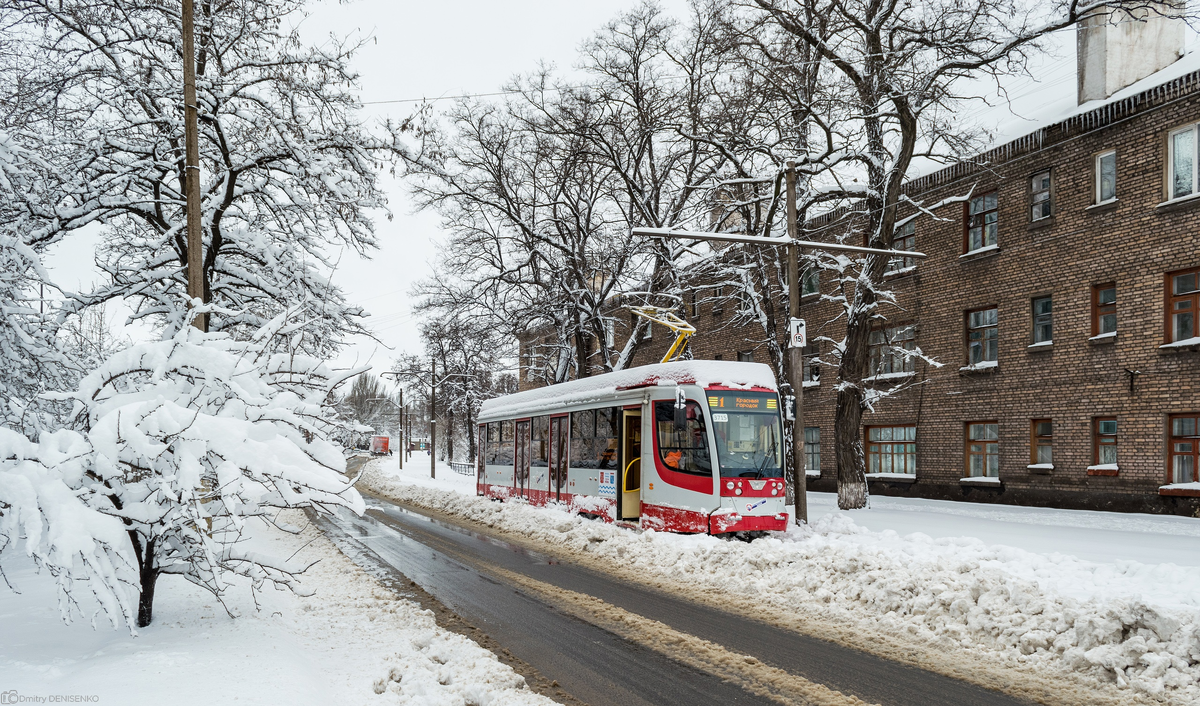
1185 490
1103 206
1103 469
1178 204
1043 468
986 481
893 477
1041 223
979 253
1110 337
889 377
812 472
987 366
1187 344
1040 346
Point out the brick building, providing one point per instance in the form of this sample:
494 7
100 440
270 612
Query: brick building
1060 295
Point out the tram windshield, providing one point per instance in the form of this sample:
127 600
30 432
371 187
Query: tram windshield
748 434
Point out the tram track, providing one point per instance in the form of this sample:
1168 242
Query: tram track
602 640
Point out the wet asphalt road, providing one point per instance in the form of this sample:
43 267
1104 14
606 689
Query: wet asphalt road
457 564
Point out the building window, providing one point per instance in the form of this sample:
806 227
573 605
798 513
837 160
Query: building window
982 336
610 333
1106 176
888 348
982 212
892 450
1043 320
1183 300
1104 441
718 306
1185 448
812 370
1182 161
694 306
745 356
1041 442
810 282
1104 309
905 239
812 448
1041 204
983 450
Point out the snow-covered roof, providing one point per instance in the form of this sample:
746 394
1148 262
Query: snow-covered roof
602 388
1029 111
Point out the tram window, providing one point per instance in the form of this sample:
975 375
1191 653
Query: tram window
748 433
594 438
541 434
606 437
682 448
583 433
504 457
493 443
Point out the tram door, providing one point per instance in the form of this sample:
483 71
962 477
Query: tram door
631 463
521 477
558 456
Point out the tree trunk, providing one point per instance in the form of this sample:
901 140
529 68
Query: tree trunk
451 430
851 464
148 575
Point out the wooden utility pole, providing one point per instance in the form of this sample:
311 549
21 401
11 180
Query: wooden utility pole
433 417
400 430
796 356
191 178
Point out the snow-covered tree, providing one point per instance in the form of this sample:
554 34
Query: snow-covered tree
288 171
893 76
45 512
30 359
186 438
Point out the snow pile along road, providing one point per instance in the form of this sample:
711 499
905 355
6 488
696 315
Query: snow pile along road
353 642
1125 625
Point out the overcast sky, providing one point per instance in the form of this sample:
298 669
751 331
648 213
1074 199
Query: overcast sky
427 50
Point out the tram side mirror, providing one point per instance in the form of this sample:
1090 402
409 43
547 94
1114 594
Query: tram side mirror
680 409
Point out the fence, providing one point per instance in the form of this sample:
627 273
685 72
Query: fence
466 469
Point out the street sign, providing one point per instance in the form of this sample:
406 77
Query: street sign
797 334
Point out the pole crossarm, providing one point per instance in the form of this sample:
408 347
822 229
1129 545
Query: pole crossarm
761 240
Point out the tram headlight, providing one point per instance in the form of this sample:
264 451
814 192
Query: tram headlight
738 491
774 491
729 485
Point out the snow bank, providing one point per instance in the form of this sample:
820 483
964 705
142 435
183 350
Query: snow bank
1006 606
352 643
600 388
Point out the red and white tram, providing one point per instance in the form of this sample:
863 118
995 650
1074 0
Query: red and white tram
688 446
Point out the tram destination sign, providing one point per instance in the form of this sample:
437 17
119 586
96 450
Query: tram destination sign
749 403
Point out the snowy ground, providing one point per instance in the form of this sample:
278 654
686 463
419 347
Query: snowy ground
350 640
1099 599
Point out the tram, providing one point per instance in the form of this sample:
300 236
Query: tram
687 446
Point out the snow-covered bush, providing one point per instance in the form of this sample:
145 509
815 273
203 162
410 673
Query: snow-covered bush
182 441
43 501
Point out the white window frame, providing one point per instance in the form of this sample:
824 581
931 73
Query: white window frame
1171 163
1098 198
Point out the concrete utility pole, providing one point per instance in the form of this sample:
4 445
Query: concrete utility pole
795 356
433 417
795 348
191 138
400 427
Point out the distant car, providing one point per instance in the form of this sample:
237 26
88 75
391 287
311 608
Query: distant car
379 445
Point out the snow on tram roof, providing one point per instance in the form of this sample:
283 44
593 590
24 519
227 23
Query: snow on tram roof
601 388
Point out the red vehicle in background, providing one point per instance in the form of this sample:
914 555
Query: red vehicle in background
379 445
